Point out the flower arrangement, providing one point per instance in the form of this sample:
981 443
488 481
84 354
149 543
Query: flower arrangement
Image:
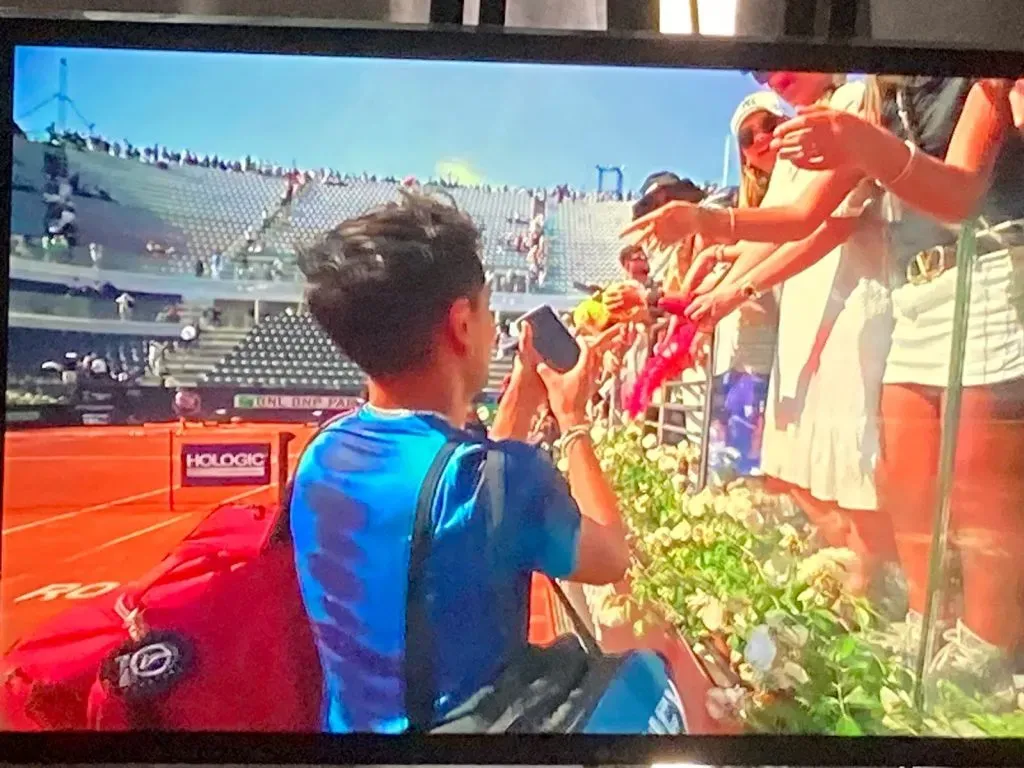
741 574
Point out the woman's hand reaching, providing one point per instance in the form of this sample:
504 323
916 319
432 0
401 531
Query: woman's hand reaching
819 138
699 277
708 310
670 224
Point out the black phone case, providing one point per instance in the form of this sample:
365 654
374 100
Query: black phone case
552 340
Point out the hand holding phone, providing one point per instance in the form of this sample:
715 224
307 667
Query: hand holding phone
552 340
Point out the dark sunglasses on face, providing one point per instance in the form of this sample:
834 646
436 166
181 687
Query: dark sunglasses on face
748 134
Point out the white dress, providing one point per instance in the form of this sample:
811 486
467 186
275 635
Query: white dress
835 327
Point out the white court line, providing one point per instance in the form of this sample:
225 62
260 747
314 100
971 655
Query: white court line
8 581
128 537
158 526
83 510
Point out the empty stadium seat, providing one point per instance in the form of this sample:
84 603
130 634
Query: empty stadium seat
288 351
199 211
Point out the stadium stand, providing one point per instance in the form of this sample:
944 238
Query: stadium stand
165 216
586 238
86 302
29 349
289 350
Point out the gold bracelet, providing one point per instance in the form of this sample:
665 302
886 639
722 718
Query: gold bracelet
908 167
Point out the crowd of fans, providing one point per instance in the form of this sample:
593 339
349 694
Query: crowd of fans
60 230
165 157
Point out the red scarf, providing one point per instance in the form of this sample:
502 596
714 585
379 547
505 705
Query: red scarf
670 361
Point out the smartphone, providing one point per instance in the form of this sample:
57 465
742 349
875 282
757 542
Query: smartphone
552 339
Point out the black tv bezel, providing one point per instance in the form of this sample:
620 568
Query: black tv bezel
288 36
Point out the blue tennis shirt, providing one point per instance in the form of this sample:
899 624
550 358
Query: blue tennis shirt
353 506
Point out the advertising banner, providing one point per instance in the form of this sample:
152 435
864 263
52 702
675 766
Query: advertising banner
296 402
225 464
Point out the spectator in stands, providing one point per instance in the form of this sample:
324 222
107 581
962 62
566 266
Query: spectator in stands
216 265
505 341
401 292
125 304
95 254
155 351
634 263
200 266
169 314
189 333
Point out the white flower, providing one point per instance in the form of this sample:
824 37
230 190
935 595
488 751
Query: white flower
713 615
760 650
831 561
796 673
796 636
725 703
607 464
679 482
699 505
649 442
748 674
563 464
777 568
597 434
682 531
667 464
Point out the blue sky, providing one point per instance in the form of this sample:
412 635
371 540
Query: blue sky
526 124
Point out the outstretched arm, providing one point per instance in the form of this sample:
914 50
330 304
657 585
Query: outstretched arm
767 224
751 256
776 267
949 189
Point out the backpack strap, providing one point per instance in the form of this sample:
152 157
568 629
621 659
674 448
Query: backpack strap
420 683
494 474
420 654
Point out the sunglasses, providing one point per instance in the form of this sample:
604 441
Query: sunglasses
748 134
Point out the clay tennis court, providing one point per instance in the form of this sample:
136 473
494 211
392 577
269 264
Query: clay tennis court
88 508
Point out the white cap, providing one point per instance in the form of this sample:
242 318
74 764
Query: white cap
762 101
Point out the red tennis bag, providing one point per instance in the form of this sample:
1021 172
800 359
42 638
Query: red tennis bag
214 638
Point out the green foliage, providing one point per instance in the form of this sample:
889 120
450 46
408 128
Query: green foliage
740 569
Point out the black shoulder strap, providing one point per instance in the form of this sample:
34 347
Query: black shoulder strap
420 685
494 473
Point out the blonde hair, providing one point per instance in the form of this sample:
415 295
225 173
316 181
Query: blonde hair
753 185
879 89
754 182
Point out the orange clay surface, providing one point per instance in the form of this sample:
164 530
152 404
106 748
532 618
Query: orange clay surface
87 509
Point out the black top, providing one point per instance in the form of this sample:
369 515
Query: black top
932 108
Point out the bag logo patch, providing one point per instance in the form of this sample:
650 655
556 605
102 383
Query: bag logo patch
148 666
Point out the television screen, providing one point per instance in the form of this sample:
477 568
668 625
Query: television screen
364 395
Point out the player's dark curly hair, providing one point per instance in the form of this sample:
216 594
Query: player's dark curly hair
380 284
